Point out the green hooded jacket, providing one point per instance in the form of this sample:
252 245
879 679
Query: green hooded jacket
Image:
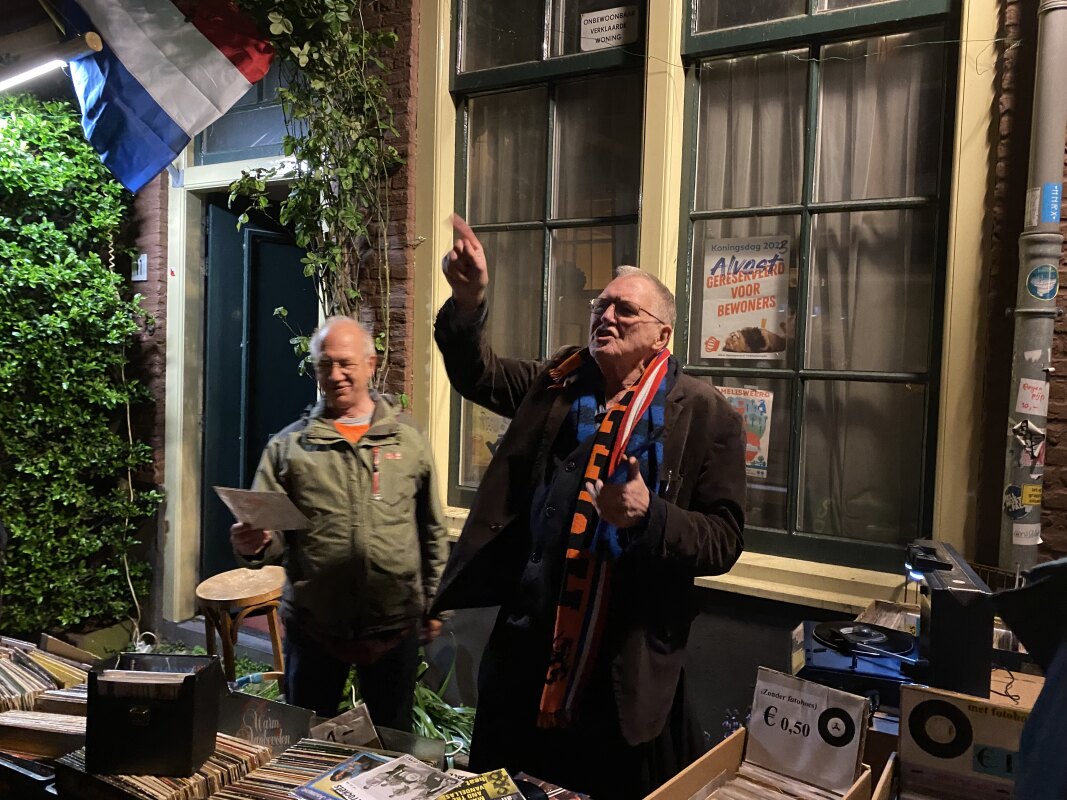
372 559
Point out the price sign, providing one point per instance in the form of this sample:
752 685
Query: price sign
806 731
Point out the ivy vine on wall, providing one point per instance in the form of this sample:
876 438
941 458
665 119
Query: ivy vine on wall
66 450
338 130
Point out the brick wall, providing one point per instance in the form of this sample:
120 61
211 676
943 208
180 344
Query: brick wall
148 360
401 68
1014 108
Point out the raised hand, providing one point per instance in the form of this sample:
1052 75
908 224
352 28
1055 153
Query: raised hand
622 504
465 268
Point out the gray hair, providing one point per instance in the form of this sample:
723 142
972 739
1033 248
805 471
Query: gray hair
315 345
664 304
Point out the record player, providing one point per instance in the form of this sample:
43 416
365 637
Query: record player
856 657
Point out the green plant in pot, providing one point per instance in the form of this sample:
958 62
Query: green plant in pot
67 496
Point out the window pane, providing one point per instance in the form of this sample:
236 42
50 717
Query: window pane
506 169
750 149
834 5
495 33
715 14
766 407
743 298
880 120
581 26
598 147
514 329
871 284
861 460
583 263
244 133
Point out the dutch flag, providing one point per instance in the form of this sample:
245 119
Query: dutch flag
168 69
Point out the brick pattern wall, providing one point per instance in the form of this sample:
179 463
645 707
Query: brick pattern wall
401 68
1014 108
148 359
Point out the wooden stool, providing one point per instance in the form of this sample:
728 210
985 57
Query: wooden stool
227 598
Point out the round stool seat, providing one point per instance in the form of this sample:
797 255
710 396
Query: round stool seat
243 587
229 598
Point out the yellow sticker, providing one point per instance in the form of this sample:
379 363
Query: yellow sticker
1031 494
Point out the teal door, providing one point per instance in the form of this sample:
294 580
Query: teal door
252 385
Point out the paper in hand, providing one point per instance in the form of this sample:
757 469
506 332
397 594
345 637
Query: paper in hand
272 511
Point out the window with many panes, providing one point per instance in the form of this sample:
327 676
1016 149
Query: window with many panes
550 97
810 275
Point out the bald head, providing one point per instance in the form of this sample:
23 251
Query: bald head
341 323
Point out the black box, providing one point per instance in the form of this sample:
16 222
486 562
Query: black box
141 728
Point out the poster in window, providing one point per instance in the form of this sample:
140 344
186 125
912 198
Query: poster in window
746 298
754 406
487 429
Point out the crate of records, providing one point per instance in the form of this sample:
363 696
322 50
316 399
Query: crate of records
804 741
152 714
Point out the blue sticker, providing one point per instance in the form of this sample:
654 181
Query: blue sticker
1013 502
989 760
1051 197
1043 282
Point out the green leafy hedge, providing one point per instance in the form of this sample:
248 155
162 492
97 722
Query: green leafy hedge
65 457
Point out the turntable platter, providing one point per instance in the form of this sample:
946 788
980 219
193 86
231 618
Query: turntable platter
862 638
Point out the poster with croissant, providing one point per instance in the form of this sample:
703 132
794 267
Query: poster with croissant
746 298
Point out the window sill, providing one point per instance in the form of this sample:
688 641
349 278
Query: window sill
786 580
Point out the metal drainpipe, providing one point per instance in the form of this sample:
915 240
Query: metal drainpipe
1035 306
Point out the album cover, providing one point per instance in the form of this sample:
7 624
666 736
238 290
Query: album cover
323 786
405 778
495 785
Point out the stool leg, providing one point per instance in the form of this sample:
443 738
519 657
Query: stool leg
228 635
209 630
276 639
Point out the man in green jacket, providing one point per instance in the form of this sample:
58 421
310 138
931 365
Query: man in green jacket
361 579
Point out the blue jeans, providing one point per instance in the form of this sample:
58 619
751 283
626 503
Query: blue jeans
315 678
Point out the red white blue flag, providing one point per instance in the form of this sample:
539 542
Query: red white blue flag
169 68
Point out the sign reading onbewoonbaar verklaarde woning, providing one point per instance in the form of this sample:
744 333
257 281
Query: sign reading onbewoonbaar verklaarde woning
746 298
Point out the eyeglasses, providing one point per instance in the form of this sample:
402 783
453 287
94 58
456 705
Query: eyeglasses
624 309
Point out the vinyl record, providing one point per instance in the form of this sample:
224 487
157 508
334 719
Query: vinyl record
862 638
531 791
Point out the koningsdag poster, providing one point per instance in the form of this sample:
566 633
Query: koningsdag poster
746 297
754 406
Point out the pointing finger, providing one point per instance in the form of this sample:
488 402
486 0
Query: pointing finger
465 231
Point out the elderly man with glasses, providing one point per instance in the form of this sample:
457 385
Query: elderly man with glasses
619 480
360 580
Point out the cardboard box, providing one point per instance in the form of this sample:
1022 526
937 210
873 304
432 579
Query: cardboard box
723 761
957 747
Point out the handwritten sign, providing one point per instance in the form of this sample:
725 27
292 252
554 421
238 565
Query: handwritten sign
1032 398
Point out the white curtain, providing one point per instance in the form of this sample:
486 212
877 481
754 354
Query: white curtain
871 272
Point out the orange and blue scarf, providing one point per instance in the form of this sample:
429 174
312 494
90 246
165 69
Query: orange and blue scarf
629 428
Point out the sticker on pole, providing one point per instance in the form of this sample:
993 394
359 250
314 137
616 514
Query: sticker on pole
1051 197
1032 398
1014 506
1043 282
1026 533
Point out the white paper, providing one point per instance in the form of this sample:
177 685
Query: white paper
271 511
1032 398
806 731
1026 533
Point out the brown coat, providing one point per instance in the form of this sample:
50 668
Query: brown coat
694 529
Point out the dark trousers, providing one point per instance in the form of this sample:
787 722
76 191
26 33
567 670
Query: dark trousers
315 678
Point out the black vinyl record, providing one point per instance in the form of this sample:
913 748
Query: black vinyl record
862 638
531 791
